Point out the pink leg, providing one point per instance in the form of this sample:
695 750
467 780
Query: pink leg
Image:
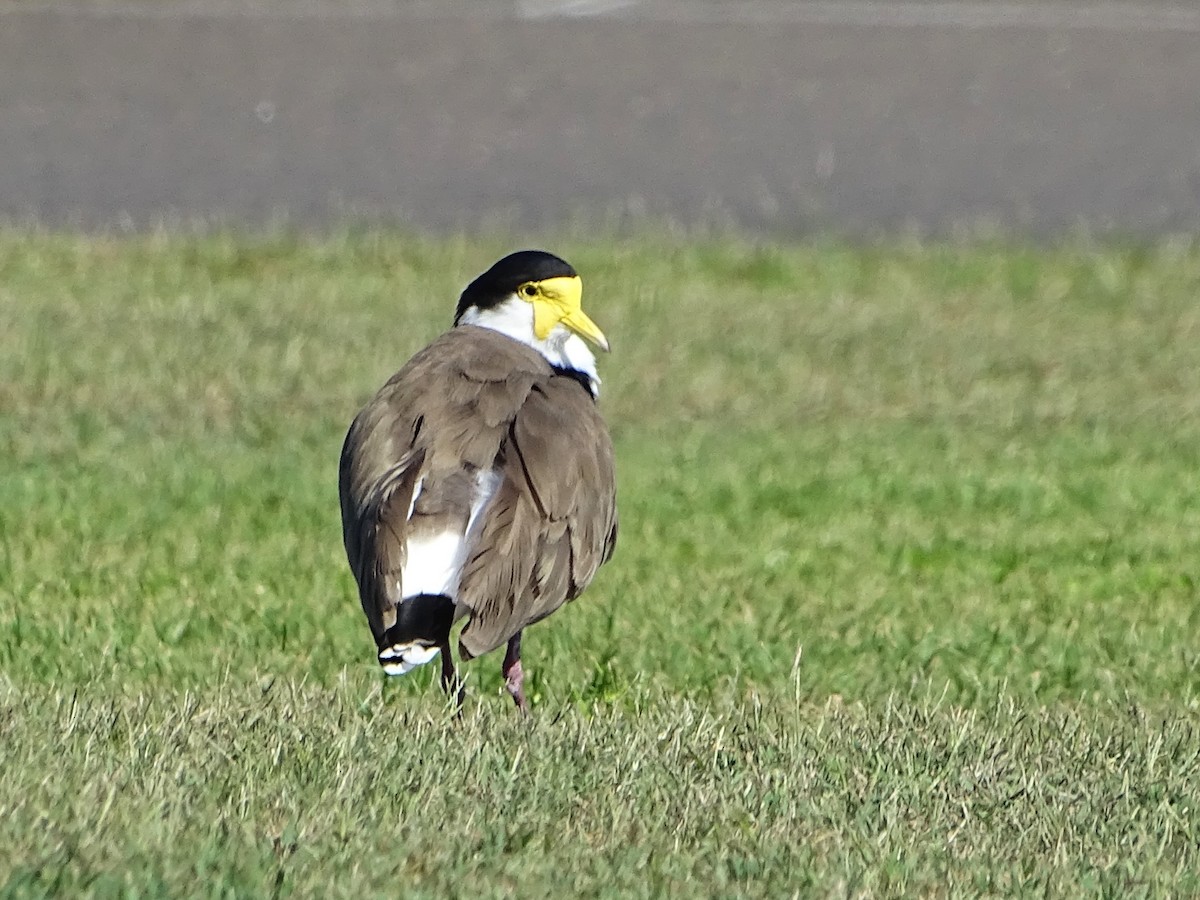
514 678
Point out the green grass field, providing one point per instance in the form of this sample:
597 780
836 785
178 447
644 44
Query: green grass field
905 600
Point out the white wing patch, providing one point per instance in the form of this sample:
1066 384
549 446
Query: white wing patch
433 564
486 484
412 504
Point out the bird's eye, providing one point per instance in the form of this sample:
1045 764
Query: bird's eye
529 290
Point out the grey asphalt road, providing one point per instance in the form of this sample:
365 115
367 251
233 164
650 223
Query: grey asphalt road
783 117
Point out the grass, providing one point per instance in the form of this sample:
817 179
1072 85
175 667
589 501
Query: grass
905 600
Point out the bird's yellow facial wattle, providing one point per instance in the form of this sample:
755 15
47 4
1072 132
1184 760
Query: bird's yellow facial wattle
560 300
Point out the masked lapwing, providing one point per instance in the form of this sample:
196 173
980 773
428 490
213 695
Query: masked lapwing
478 482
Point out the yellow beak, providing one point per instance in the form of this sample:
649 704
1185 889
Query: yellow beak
561 300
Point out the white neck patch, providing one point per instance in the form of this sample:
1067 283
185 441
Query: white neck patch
562 348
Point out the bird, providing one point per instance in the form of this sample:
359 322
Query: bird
479 481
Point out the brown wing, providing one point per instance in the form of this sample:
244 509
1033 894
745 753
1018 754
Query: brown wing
552 521
375 498
436 423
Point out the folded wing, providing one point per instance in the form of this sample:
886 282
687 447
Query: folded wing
552 521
